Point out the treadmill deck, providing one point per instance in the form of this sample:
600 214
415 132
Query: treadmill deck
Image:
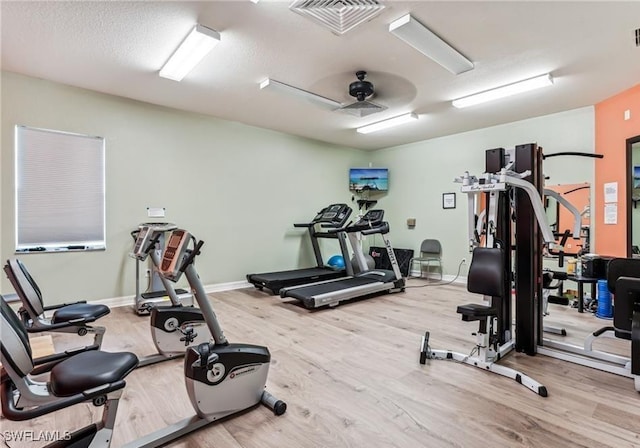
274 281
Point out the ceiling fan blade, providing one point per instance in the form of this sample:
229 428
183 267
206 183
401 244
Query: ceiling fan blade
287 89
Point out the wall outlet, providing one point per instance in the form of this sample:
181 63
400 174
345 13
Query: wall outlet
147 273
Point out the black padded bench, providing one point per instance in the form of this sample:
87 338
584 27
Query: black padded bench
486 277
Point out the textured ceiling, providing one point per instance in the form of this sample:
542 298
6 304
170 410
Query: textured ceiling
119 47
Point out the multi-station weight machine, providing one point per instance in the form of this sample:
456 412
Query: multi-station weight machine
508 255
514 218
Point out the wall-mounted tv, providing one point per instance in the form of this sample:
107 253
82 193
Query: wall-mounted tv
372 179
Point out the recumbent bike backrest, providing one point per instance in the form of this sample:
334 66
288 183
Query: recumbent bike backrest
26 287
15 348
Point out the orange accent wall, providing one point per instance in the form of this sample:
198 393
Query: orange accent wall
612 132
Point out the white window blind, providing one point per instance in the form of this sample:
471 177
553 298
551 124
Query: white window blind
60 191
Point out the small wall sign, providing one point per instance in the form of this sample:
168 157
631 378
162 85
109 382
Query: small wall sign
448 200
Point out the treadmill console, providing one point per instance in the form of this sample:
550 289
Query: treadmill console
142 240
372 219
145 233
335 215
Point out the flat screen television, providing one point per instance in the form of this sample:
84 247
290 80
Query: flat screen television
372 179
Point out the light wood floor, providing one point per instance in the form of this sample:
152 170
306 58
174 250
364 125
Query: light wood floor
351 378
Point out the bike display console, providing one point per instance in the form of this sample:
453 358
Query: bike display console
153 233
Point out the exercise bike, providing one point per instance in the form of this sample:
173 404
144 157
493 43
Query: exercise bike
222 378
155 293
174 327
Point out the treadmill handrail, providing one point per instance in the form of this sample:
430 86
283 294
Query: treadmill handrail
339 229
384 228
319 216
306 224
326 225
369 229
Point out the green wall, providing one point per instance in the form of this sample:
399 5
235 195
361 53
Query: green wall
238 188
421 172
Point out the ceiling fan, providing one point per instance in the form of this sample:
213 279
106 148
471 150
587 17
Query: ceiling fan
362 90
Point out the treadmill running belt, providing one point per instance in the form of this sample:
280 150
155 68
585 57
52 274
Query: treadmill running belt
277 280
291 275
307 292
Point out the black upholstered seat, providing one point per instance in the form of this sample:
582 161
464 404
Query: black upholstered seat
76 317
486 276
79 313
88 370
487 272
621 267
85 311
475 311
624 273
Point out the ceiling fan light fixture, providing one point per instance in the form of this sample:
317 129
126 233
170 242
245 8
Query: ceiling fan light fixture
428 43
504 91
389 123
198 43
287 89
361 90
362 108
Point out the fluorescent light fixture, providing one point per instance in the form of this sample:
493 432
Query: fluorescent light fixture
426 42
278 86
504 91
191 51
390 123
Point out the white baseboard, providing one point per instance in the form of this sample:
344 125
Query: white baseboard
436 277
229 286
115 302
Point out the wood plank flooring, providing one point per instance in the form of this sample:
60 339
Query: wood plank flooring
351 378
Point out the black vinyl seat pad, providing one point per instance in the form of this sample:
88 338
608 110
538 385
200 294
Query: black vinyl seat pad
90 369
476 310
79 311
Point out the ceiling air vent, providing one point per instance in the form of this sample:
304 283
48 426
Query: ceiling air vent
339 16
638 37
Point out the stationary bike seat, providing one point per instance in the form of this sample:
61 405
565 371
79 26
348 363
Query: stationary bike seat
79 311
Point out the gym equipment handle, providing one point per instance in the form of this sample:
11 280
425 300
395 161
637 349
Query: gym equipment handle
571 153
152 244
194 253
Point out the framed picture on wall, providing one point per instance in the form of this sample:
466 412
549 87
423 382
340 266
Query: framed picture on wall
448 200
636 177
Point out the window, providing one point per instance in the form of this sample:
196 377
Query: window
60 191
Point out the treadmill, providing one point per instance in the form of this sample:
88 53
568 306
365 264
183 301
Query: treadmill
366 282
331 217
